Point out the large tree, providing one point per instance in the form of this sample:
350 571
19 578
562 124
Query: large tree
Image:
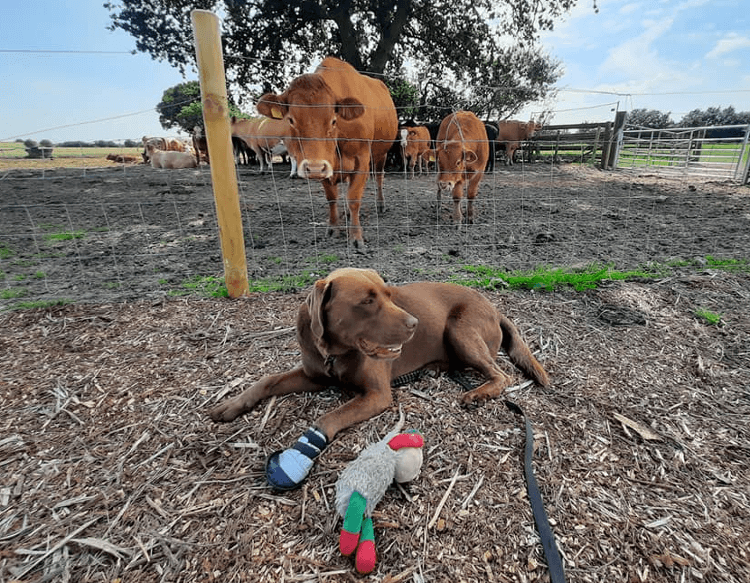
488 49
180 107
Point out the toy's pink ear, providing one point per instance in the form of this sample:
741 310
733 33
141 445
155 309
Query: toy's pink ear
406 440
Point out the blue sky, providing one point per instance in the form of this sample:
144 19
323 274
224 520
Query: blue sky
659 54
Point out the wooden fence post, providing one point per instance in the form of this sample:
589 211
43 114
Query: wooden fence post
617 140
218 135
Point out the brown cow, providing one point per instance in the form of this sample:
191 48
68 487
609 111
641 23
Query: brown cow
261 135
512 133
341 125
122 158
200 144
461 150
415 142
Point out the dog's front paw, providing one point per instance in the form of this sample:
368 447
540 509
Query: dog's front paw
286 470
229 410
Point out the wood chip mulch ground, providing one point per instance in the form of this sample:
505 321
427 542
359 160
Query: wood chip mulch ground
111 470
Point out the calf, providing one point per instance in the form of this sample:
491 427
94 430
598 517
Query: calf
461 151
170 159
200 144
415 141
512 133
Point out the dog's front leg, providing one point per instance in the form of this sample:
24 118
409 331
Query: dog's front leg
293 381
374 400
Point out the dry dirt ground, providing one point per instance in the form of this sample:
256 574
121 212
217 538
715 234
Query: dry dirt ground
112 470
132 232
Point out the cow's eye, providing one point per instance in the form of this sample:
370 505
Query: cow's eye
367 301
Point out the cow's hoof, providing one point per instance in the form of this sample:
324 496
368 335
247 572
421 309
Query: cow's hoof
359 245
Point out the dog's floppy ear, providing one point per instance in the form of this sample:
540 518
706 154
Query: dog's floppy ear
316 303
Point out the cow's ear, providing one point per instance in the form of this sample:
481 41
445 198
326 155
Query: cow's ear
316 304
429 155
349 109
470 156
273 106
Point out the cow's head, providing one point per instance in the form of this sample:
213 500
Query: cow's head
404 135
314 117
453 158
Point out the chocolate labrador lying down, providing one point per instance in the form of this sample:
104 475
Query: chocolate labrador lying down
356 331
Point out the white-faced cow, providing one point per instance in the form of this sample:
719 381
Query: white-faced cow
341 125
461 151
512 133
163 144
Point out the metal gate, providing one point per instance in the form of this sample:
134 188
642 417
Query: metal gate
716 152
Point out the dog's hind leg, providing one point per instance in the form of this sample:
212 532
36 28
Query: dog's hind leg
471 351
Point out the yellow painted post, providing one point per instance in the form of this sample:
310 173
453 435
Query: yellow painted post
218 135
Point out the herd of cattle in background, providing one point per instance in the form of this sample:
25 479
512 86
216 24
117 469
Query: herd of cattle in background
337 125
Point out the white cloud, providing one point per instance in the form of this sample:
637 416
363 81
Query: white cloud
730 43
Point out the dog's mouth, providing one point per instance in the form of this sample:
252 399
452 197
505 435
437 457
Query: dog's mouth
389 352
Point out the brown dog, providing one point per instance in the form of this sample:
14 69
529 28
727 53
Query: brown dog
358 332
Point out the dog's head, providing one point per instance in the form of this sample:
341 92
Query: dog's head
352 309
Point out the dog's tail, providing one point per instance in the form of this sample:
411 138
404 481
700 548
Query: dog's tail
520 354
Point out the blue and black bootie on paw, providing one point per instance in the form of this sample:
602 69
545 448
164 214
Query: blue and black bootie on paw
285 470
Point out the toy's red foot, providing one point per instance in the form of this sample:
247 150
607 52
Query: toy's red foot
366 557
348 542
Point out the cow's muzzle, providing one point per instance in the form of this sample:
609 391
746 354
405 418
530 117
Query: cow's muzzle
315 169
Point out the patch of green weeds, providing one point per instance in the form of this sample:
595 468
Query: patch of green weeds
710 317
65 236
11 294
548 279
5 252
207 286
287 283
728 264
332 258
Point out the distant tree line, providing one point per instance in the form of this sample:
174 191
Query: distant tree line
713 116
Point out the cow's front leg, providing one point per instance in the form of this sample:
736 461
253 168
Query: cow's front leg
471 194
331 190
458 195
354 201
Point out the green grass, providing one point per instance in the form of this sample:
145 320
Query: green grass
728 264
5 252
545 278
710 317
207 286
65 236
11 294
641 155
327 259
